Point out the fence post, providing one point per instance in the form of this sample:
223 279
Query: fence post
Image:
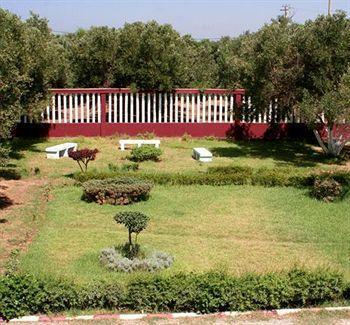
238 102
103 113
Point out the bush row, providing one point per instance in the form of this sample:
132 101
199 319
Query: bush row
231 175
207 292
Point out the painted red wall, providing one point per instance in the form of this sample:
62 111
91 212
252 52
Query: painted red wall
235 130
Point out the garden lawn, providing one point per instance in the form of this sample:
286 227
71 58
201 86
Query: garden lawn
30 158
234 228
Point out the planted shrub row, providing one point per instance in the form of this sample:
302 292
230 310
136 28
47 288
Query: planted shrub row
231 175
117 191
207 292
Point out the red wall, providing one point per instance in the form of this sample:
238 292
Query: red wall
235 130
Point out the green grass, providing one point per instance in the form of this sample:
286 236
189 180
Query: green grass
29 154
236 228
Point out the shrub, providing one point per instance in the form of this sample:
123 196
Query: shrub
83 157
134 221
145 152
186 137
115 261
327 189
117 191
131 166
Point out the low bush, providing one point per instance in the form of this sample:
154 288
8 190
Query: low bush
115 261
327 189
144 153
125 167
207 292
116 191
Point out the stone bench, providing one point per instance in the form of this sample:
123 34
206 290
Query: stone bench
60 150
138 142
202 154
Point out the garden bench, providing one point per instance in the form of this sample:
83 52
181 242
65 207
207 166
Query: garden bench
138 142
60 150
202 154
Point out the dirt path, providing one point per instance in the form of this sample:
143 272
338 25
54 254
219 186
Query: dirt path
21 206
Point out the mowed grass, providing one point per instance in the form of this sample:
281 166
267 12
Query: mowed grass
30 155
234 228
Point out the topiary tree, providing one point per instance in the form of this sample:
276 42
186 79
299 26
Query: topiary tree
83 157
134 221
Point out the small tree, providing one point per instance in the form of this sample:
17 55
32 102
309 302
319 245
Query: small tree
134 221
83 157
325 114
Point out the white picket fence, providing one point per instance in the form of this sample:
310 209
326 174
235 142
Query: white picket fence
181 106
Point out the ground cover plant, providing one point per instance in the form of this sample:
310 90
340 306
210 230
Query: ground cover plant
145 152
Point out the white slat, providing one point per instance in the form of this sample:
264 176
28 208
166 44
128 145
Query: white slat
81 108
187 108
159 107
70 109
93 108
171 108
48 113
88 108
131 108
109 108
137 108
182 108
176 108
154 108
99 108
192 108
76 108
143 108
220 108
65 108
115 108
149 108
120 108
232 110
59 109
209 108
198 107
165 108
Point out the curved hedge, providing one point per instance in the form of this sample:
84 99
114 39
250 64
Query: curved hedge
116 191
206 292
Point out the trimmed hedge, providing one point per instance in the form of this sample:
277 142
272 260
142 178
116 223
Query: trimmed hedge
117 191
206 292
228 175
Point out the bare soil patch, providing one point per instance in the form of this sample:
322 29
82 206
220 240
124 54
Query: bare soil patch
22 204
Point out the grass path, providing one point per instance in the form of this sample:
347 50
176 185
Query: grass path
237 228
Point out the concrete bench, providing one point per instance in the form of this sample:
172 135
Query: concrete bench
138 142
202 154
61 150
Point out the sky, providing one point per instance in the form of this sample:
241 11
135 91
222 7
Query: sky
200 18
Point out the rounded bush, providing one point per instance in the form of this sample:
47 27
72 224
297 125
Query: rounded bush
145 153
116 191
327 189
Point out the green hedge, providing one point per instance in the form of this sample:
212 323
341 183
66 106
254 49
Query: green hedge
206 292
230 175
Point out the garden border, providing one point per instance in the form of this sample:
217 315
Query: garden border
274 312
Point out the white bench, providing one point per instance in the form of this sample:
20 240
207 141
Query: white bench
202 154
138 142
61 150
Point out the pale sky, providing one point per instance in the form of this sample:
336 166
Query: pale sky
200 18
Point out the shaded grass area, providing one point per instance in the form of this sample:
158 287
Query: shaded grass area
30 159
235 228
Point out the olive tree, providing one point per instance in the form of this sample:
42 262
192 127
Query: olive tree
326 113
27 67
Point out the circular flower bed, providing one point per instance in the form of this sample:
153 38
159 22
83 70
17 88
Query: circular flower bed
116 191
115 261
